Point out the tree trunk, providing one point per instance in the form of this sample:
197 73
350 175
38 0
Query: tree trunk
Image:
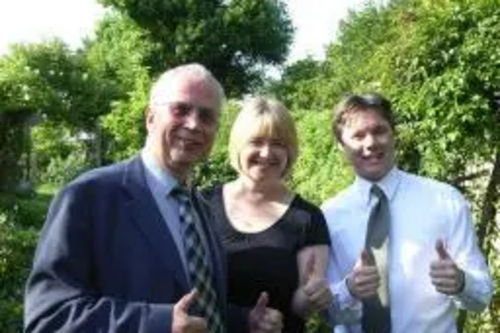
488 211
487 222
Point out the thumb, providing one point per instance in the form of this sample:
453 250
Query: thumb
441 250
187 300
260 306
366 258
310 266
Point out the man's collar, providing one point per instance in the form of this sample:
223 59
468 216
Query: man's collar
162 177
389 184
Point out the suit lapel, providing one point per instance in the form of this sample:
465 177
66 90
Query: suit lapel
149 220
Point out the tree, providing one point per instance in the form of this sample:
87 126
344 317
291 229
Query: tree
56 82
235 39
59 86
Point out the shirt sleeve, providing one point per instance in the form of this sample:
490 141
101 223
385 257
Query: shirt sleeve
316 229
345 309
464 249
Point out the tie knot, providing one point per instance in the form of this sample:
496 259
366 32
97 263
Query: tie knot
180 193
378 192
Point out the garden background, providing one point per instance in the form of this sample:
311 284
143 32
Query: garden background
64 111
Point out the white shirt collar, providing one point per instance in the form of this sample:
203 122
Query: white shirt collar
389 184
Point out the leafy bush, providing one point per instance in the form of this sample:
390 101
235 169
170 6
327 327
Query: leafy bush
20 220
62 170
16 250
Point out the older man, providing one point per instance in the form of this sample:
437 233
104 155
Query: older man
127 248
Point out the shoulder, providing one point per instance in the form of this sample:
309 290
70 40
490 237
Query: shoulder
305 213
97 181
430 192
305 205
340 201
430 187
210 195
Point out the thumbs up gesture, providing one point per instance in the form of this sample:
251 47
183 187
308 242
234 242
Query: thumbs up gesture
182 322
364 279
315 291
263 319
446 277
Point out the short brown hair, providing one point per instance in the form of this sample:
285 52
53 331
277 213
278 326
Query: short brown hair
360 103
263 117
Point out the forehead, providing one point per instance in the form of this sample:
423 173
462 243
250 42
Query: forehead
193 90
364 119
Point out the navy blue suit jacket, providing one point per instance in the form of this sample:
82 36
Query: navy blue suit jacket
106 261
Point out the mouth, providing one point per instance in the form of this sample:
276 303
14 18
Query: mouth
373 158
265 163
189 143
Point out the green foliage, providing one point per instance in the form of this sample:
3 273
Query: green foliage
13 142
58 154
53 81
299 84
127 122
320 170
235 39
216 169
16 250
19 224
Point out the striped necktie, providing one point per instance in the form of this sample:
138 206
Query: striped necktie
199 271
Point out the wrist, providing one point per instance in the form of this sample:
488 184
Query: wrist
461 285
348 284
299 303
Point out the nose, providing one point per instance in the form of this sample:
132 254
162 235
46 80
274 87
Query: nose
192 121
265 150
369 141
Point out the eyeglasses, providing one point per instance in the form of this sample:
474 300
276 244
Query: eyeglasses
208 116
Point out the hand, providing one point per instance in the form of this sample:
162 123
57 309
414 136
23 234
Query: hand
263 319
316 292
182 322
446 277
364 280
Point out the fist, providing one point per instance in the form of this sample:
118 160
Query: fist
364 280
445 275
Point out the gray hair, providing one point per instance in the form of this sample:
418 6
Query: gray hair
196 71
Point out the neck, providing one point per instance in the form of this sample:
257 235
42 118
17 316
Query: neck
260 191
178 171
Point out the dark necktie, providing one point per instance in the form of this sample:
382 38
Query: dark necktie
196 257
376 310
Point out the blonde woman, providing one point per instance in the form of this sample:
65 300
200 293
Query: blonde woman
276 242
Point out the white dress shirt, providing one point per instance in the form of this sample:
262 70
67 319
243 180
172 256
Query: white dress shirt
422 211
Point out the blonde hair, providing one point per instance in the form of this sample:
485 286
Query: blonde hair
264 118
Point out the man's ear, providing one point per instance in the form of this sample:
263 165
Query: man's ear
150 115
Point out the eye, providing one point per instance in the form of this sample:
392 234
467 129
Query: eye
207 116
277 143
257 142
180 109
381 130
358 136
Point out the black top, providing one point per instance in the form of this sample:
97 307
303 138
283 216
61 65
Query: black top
267 260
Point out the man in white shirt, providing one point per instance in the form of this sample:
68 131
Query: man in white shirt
433 262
